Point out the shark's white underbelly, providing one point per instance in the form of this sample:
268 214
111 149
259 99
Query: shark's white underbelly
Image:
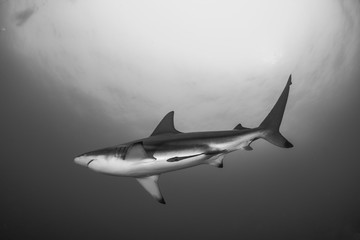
158 166
146 167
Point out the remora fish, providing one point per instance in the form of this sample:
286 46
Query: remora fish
167 149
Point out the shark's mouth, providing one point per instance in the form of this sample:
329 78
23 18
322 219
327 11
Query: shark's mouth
90 162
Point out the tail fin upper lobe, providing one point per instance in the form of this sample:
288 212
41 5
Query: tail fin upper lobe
271 123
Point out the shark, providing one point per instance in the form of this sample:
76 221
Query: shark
168 149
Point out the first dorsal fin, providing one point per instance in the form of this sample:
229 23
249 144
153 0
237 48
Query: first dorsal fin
166 125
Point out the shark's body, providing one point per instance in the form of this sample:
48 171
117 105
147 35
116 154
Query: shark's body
169 150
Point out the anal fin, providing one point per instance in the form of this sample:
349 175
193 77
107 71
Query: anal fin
217 161
151 186
247 148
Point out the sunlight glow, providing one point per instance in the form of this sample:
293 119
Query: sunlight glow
224 35
136 57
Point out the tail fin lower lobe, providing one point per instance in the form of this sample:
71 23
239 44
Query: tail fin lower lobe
271 123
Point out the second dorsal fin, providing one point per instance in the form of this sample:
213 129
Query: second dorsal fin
239 127
166 125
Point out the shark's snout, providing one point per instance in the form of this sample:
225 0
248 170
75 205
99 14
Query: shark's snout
83 160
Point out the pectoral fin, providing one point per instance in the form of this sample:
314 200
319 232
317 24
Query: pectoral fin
151 186
136 152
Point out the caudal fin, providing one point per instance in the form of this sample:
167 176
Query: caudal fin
271 123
